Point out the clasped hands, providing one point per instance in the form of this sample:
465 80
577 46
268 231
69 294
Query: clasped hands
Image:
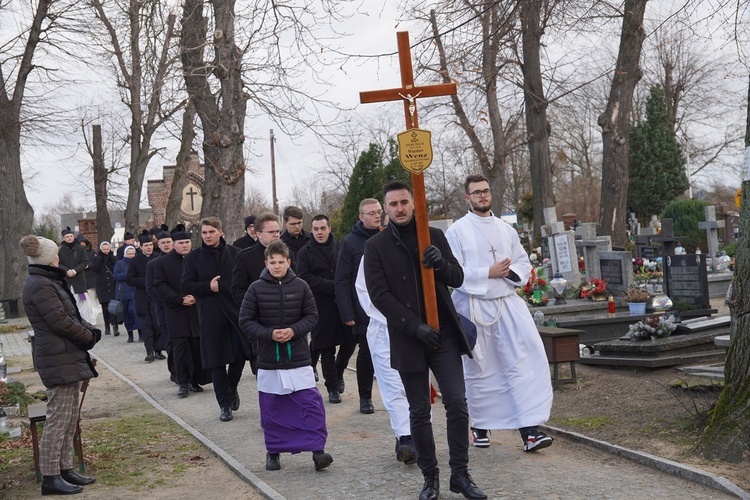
282 335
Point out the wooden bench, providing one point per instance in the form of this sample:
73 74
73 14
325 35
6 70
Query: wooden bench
561 346
38 413
12 306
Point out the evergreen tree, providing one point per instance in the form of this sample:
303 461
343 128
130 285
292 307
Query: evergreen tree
657 173
374 168
687 214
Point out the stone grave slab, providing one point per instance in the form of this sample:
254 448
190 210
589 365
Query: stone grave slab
617 269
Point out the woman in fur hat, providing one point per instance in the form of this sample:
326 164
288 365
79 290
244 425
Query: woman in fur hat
62 341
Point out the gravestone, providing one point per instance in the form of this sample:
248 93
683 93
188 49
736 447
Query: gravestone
562 248
643 247
591 245
667 238
712 227
616 268
686 279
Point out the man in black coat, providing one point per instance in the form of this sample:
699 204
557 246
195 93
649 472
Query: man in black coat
144 308
392 272
250 261
352 315
316 264
248 239
161 336
180 313
294 235
207 276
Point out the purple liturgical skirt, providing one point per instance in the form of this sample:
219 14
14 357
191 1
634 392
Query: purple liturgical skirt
293 422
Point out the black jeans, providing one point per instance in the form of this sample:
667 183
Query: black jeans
445 363
226 379
328 368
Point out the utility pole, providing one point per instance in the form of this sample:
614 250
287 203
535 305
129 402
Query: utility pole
273 177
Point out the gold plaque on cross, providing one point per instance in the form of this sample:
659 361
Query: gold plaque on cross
415 150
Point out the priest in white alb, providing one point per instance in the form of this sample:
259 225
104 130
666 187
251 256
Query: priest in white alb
508 382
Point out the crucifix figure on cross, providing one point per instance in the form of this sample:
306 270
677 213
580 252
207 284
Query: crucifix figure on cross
408 93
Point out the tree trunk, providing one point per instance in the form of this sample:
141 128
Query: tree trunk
181 168
222 115
16 214
727 436
104 229
492 167
615 124
535 107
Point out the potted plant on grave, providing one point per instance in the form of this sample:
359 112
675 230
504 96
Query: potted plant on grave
594 289
636 298
535 290
655 327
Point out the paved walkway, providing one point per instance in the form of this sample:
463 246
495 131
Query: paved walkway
363 449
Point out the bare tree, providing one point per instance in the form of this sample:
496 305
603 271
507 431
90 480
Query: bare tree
615 123
103 222
145 54
16 214
187 137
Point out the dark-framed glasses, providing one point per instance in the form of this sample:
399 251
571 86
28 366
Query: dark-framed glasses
480 192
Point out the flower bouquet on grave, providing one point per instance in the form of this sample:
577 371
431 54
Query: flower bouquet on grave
655 327
535 290
594 289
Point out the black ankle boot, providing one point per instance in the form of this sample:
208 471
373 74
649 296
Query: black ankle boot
73 477
107 330
115 331
56 485
130 337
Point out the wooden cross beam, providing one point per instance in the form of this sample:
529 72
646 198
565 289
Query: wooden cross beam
408 93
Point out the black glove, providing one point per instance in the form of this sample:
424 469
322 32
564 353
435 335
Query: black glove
432 257
97 335
428 335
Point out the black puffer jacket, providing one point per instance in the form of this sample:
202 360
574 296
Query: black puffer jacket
270 304
61 337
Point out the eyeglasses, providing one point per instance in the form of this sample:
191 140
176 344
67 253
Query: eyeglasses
271 232
374 213
480 192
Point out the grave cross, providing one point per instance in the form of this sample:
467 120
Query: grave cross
591 244
667 238
408 93
712 226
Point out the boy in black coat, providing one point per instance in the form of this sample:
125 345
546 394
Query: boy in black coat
277 312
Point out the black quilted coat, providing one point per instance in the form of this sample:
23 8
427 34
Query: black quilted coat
287 303
61 338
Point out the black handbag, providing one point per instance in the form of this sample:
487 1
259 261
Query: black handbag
115 307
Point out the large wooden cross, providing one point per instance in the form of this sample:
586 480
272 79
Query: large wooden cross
408 93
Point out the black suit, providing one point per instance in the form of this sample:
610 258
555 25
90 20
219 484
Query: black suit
392 269
224 348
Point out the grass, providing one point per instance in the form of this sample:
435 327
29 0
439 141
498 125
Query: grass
137 453
583 423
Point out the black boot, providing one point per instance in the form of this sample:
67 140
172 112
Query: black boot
150 357
115 331
107 330
321 459
73 477
56 485
431 488
140 337
130 337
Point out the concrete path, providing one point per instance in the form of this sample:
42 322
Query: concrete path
363 449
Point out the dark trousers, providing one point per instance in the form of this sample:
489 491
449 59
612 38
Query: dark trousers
445 363
328 367
226 379
186 353
148 329
365 371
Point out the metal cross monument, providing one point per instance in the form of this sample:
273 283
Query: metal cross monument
408 93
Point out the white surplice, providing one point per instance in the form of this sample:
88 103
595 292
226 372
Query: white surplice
508 382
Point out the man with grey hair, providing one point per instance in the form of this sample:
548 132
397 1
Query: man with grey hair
350 310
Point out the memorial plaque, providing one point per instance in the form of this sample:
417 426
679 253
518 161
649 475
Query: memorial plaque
562 250
650 253
687 279
611 270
